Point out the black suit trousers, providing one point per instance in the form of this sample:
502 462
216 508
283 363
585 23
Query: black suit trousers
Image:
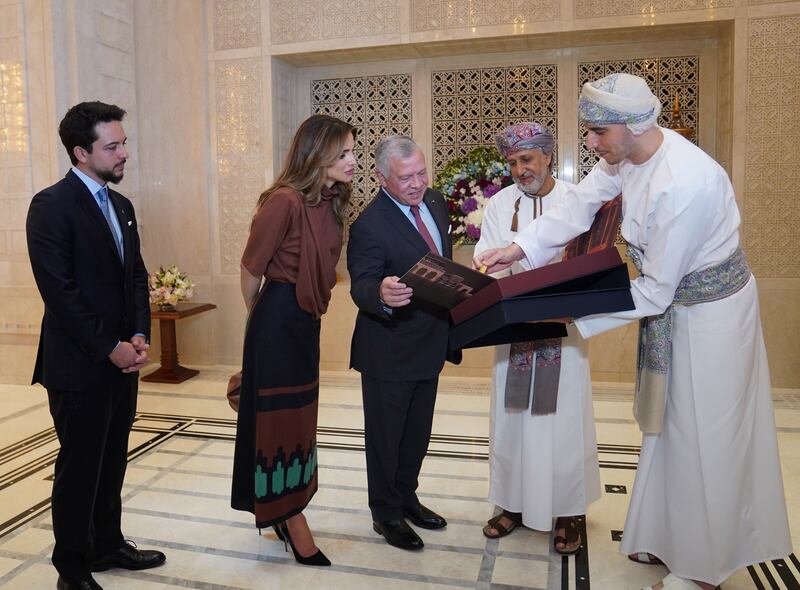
93 428
398 417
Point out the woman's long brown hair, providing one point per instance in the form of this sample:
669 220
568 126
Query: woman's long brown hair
317 144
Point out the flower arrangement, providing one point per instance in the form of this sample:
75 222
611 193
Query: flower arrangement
168 286
468 182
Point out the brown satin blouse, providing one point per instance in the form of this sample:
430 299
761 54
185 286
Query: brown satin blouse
295 243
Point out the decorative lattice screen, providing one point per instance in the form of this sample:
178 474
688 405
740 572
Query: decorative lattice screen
377 106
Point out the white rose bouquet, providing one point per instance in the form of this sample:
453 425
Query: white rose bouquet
168 286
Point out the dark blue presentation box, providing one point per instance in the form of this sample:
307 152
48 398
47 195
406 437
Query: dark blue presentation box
517 310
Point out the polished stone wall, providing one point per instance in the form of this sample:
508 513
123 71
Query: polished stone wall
772 229
768 193
239 152
648 9
20 311
321 20
439 15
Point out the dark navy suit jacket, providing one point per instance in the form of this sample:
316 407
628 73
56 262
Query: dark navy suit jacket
411 343
92 299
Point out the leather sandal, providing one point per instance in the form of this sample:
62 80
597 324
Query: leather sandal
645 558
515 518
573 537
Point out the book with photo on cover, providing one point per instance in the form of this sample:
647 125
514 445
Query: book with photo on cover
449 284
467 292
441 281
592 278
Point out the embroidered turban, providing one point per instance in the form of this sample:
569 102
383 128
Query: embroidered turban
525 136
619 99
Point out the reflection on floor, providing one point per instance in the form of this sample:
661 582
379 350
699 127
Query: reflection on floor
176 499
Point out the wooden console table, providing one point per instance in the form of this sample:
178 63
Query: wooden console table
170 371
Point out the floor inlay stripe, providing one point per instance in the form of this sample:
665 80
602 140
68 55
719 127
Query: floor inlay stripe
768 575
27 444
364 571
786 574
23 518
487 565
754 576
581 559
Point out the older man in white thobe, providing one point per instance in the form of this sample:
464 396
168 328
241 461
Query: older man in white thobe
543 449
708 497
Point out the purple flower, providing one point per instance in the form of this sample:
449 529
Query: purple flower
473 232
469 205
491 190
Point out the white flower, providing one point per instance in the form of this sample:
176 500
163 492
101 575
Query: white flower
169 285
475 217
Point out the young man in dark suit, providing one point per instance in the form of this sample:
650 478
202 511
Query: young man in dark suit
399 344
84 250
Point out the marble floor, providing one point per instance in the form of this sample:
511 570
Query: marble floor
176 499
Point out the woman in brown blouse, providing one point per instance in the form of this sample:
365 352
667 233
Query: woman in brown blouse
294 245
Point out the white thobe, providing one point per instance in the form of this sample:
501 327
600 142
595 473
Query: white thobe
708 497
541 466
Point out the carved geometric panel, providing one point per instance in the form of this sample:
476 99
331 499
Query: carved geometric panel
469 107
312 20
771 217
377 106
666 77
237 23
240 154
429 15
645 8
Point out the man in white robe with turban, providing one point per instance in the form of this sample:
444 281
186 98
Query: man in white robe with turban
543 449
708 497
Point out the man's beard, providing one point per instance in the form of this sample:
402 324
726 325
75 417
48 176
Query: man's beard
109 176
532 187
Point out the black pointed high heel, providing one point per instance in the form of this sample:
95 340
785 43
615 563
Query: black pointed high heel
279 534
317 559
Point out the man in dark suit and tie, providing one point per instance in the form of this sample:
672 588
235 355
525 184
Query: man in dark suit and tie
400 343
84 250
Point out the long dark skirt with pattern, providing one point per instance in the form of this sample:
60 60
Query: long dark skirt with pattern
275 460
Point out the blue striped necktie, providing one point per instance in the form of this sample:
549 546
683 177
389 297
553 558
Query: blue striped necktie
104 207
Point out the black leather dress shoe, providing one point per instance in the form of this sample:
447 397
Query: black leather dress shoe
424 517
399 534
130 558
86 583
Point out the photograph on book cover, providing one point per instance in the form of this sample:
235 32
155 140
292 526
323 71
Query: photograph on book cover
444 282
